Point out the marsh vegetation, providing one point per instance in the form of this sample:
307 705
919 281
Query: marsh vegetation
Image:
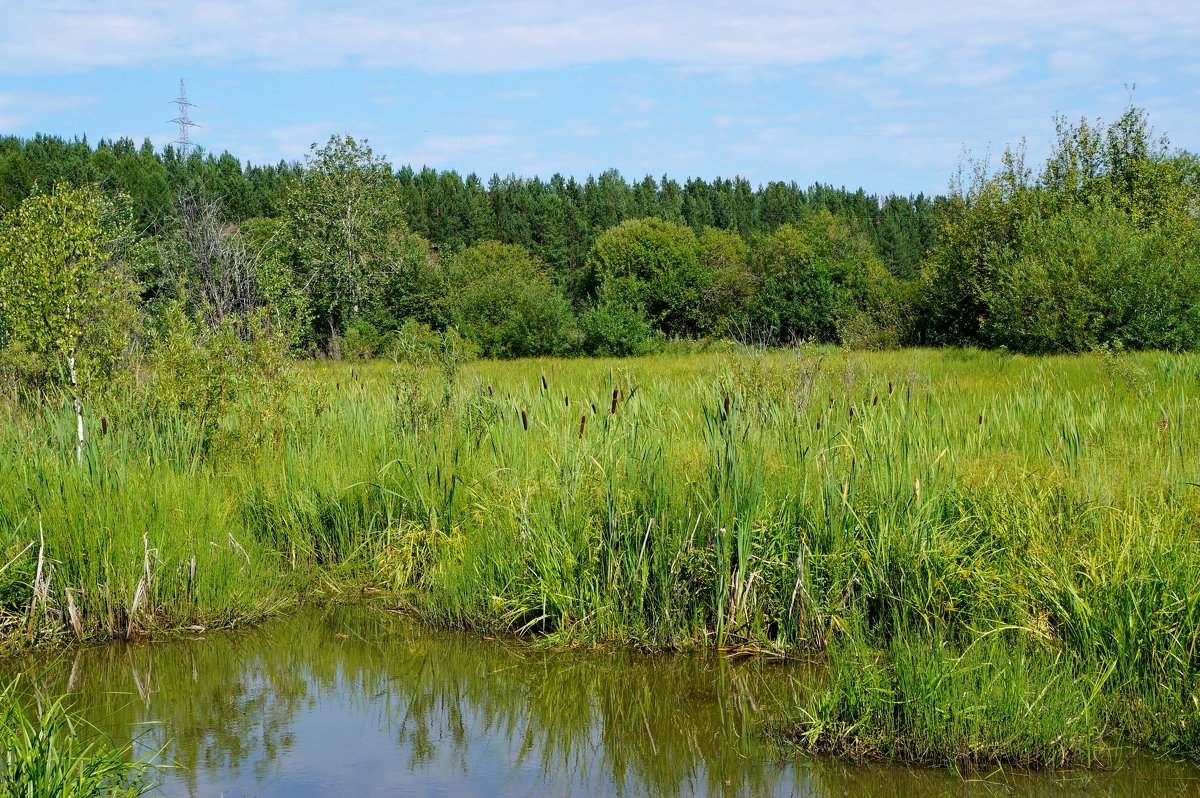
996 554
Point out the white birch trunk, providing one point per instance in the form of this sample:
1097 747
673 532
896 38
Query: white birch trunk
78 409
75 396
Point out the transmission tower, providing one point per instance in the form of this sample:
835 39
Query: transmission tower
183 141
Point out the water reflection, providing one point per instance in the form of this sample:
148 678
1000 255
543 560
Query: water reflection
354 701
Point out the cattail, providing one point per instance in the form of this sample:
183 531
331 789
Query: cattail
103 425
889 387
874 400
622 394
593 408
851 411
582 424
726 405
489 389
544 382
524 421
818 424
981 419
614 403
566 401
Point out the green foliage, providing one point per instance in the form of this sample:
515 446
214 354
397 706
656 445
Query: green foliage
63 289
812 277
1098 248
417 348
884 318
924 701
655 265
505 303
977 226
1090 275
229 384
16 573
615 328
43 755
730 286
344 224
284 302
416 287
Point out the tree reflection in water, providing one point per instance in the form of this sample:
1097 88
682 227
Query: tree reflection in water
351 700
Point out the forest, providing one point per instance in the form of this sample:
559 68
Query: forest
1095 248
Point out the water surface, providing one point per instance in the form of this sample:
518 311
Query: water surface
358 701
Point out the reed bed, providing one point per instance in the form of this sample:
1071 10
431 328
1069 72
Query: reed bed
1035 518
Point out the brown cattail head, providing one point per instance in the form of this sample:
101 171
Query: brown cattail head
851 411
981 419
593 408
543 382
889 387
566 401
582 424
613 409
489 389
726 405
818 423
874 400
524 421
103 425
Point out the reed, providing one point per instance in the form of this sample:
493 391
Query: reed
938 498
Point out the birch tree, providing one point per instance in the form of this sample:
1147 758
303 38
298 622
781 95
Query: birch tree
67 311
344 219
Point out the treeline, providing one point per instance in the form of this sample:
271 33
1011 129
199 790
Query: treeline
1097 247
150 180
557 220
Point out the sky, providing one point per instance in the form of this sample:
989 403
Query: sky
888 96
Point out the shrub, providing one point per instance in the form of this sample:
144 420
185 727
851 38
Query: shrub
654 265
615 328
1089 276
812 276
505 303
226 383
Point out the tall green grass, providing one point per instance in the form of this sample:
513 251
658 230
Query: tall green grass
42 755
789 501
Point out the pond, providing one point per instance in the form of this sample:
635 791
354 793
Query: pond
354 700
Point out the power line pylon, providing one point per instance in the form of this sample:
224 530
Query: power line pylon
184 142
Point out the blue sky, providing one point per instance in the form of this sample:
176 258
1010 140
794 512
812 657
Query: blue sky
883 95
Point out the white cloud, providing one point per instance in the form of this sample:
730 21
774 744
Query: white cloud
951 41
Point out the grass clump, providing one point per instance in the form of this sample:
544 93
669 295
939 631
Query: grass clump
926 701
43 756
